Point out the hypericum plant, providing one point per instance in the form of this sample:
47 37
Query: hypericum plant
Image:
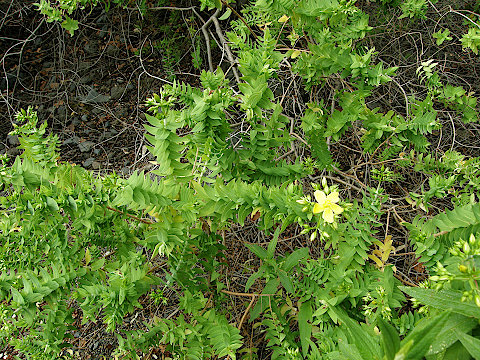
226 152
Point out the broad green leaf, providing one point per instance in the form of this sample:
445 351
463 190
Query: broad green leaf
455 352
121 296
471 344
447 336
70 25
52 204
366 344
273 244
264 302
97 264
443 300
390 338
72 203
17 297
286 281
254 277
350 351
304 326
88 256
293 259
295 54
257 250
423 336
226 15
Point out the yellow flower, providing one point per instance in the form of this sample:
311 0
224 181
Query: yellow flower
327 205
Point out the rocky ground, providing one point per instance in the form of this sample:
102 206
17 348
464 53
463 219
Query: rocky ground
91 87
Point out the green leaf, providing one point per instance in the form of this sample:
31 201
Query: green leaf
304 326
97 264
390 338
254 277
293 259
471 344
443 300
441 36
226 15
264 302
366 344
70 25
286 281
447 336
455 352
423 335
257 250
17 297
121 296
72 202
320 148
273 244
350 351
52 204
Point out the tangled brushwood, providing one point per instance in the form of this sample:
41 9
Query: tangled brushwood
315 199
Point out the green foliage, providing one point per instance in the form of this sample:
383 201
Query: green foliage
227 153
413 8
442 36
471 40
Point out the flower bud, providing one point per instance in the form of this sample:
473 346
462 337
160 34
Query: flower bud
477 300
324 182
466 247
462 268
472 239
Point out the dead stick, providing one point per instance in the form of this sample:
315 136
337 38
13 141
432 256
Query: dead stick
129 215
246 312
244 294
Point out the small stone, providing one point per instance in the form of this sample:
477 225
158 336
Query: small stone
86 146
88 162
13 152
95 97
90 48
116 92
61 113
111 50
122 111
96 165
73 140
13 140
84 117
86 79
96 151
84 65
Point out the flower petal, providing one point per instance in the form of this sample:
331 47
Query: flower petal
333 197
336 208
328 215
317 208
320 196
